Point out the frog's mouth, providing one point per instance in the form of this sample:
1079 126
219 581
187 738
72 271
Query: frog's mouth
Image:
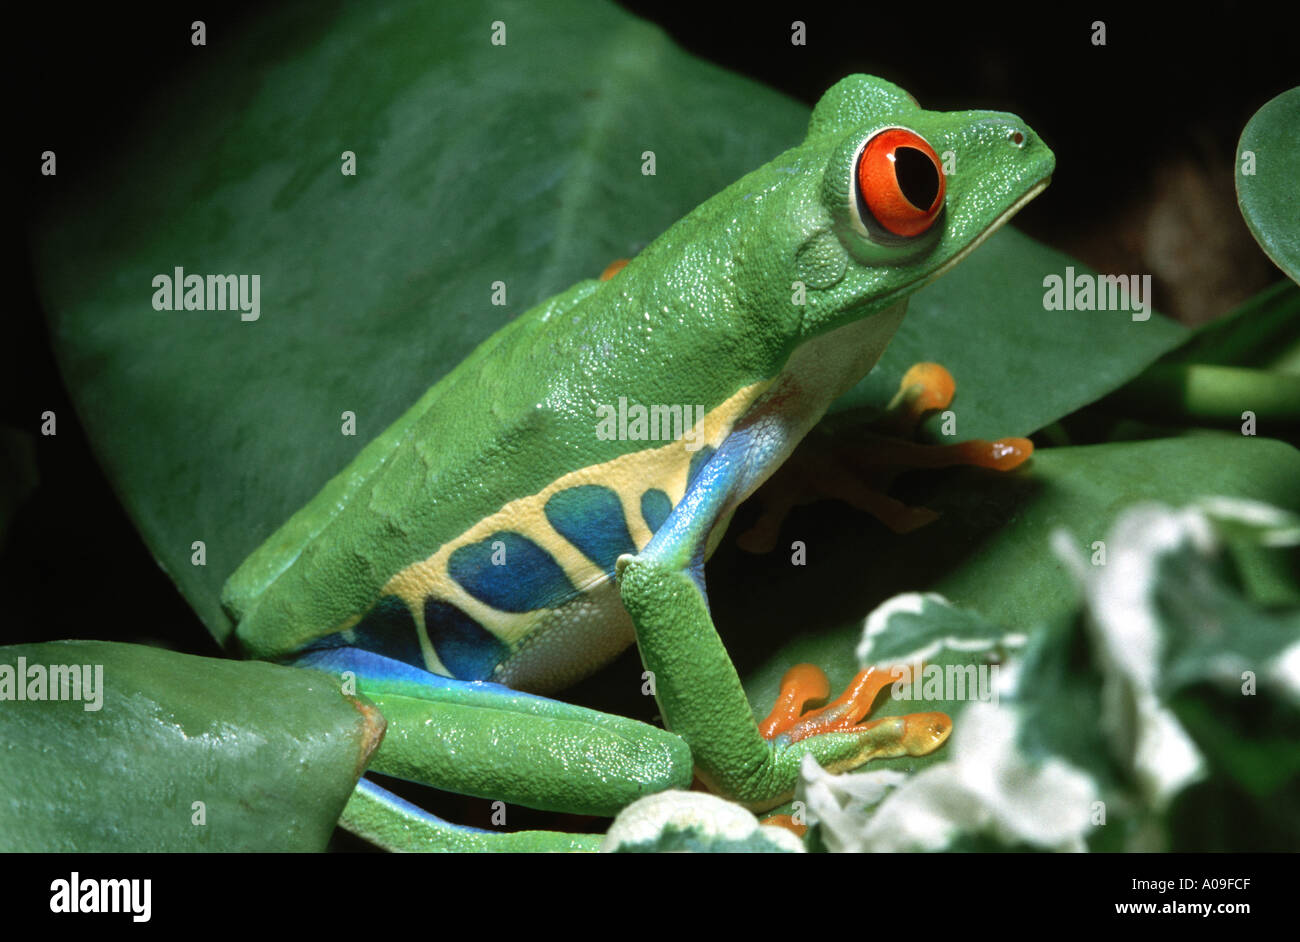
991 228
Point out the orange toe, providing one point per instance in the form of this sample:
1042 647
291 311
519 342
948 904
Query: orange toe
848 709
1001 455
924 388
801 685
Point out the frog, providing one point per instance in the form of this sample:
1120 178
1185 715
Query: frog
552 500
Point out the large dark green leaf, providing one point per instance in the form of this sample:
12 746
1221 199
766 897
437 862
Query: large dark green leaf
475 163
1018 367
1270 149
272 753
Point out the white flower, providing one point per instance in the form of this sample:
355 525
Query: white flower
1126 635
987 786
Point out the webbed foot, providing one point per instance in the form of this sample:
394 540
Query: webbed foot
914 734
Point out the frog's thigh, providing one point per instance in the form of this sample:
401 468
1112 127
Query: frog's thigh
487 740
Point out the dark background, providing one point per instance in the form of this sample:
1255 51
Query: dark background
1144 129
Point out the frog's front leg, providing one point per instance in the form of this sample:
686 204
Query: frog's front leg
487 740
699 693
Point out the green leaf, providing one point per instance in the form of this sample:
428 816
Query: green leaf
1246 361
1270 146
1251 797
272 752
1018 367
1262 333
475 163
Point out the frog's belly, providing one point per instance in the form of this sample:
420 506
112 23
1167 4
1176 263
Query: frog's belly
569 642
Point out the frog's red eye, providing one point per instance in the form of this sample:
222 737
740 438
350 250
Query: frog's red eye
900 181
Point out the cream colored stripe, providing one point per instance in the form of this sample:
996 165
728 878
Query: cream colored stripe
627 475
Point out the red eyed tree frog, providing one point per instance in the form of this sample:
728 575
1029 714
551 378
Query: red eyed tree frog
505 537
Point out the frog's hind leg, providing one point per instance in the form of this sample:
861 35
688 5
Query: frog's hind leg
489 741
390 822
394 824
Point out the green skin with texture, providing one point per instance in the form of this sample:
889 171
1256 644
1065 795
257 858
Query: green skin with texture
762 305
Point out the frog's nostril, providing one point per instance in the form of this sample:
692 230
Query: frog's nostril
1016 138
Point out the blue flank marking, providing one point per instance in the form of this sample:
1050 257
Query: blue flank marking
465 647
655 508
529 579
368 665
590 517
387 629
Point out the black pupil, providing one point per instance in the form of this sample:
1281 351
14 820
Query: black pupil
917 177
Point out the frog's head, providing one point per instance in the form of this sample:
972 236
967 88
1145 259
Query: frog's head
901 195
